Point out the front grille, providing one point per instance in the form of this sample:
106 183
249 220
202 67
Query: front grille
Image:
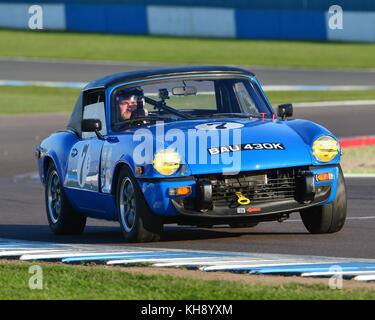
267 186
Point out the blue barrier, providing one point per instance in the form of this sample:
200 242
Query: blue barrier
306 5
303 25
106 19
258 24
269 19
85 18
284 24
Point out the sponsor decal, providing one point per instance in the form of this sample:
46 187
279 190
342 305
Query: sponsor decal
253 209
250 210
219 126
247 146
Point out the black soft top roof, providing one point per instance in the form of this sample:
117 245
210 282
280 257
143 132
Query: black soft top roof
118 78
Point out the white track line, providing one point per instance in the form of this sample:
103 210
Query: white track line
261 265
172 261
211 262
215 263
365 278
359 175
315 87
71 254
92 62
331 273
334 103
9 253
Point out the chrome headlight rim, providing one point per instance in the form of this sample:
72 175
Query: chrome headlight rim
166 162
325 148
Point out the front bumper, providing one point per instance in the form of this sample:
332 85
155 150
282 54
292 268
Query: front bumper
276 197
258 209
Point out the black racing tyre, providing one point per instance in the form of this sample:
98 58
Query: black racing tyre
243 224
62 218
138 223
329 218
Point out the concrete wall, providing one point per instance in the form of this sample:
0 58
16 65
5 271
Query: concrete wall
267 19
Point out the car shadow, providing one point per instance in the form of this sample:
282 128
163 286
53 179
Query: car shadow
92 234
182 233
102 235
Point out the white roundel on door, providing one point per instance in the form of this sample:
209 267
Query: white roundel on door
219 126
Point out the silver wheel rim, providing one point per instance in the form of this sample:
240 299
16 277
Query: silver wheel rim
54 197
127 204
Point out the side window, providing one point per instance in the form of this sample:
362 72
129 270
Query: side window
94 108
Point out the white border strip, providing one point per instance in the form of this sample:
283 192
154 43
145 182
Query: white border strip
334 103
314 88
280 263
72 254
365 278
359 175
54 84
175 261
9 253
338 273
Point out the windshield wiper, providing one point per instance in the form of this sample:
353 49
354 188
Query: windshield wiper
236 115
163 105
230 115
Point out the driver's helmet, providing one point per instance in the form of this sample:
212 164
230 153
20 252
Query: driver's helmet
133 94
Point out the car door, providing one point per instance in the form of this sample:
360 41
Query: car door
83 176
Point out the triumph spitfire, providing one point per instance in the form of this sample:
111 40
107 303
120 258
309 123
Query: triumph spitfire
189 145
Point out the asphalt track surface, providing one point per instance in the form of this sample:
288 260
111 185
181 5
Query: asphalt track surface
86 71
23 218
22 212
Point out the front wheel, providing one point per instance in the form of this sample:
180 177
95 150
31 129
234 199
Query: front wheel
138 223
328 218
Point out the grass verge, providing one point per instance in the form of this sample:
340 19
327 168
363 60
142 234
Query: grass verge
73 282
90 46
279 97
36 99
39 99
358 160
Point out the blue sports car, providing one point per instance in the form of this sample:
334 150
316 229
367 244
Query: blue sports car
189 145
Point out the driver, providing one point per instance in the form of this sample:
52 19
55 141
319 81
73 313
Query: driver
131 104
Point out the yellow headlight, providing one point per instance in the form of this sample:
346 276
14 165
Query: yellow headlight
166 162
325 148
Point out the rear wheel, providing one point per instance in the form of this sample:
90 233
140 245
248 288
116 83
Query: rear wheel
328 218
62 218
138 222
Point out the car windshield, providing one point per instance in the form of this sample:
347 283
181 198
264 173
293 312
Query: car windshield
187 100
